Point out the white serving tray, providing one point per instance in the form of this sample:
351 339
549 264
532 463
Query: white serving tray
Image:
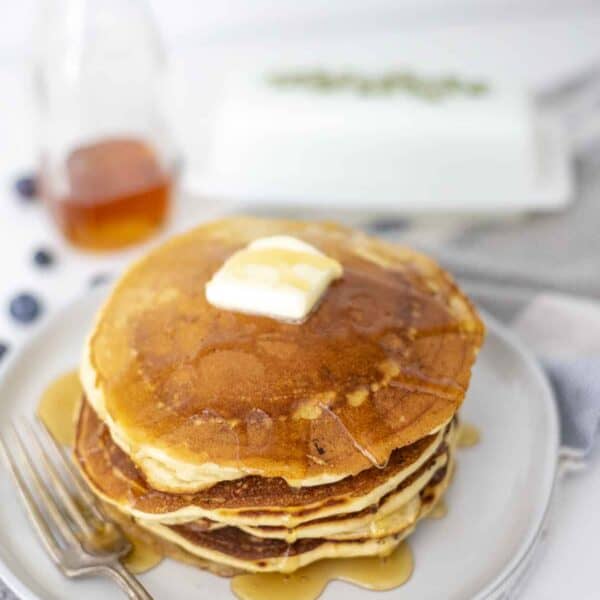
551 190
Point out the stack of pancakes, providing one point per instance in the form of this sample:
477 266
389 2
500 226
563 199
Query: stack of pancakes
250 444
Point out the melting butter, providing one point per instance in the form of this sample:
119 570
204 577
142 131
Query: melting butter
373 572
286 267
468 435
58 406
280 277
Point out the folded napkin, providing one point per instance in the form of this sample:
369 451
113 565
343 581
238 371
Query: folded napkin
564 332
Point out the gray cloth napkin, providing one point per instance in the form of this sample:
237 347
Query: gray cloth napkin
577 387
564 332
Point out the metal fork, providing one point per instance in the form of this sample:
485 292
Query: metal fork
80 540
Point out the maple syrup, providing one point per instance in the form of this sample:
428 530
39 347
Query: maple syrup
468 435
143 556
284 261
307 583
58 407
117 194
439 511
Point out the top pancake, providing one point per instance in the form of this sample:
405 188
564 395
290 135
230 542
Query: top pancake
197 395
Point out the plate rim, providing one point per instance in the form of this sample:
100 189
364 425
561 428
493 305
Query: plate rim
518 565
515 568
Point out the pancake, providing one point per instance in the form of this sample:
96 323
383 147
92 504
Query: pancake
163 547
196 395
428 499
252 501
402 504
235 548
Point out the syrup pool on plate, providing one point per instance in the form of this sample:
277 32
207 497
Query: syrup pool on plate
307 583
468 435
58 406
142 557
439 511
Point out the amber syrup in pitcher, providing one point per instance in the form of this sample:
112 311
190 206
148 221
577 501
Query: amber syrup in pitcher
118 194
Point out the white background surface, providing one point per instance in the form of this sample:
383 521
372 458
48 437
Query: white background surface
537 42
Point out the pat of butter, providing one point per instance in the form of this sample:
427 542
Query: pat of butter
280 277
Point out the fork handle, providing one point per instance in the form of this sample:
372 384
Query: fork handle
128 582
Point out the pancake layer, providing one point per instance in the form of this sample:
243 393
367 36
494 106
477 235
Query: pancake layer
252 501
232 547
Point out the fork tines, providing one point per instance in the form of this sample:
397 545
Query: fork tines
63 511
52 507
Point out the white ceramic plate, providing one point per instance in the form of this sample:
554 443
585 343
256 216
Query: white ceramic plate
497 502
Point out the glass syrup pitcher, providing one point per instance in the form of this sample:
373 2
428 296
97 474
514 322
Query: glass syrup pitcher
107 161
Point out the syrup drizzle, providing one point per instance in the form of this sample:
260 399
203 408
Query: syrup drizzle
282 261
468 435
439 511
143 556
307 583
58 407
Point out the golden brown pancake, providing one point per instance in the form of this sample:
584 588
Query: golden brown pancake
189 544
232 547
136 532
252 501
168 541
232 551
196 395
